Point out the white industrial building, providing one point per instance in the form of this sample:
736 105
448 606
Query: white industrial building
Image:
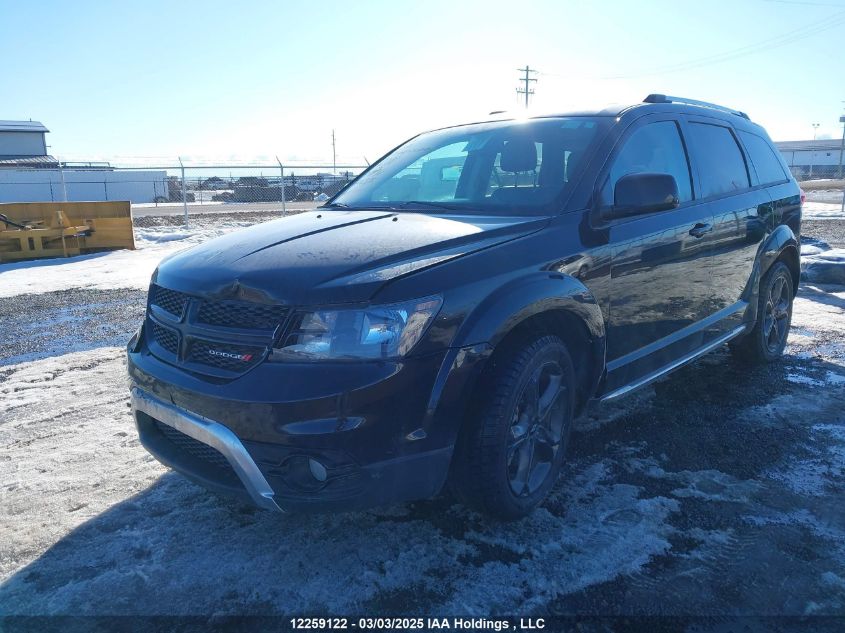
818 158
29 174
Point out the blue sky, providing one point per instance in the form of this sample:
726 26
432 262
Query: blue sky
141 81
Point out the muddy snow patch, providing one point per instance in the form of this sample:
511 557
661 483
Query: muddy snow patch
821 471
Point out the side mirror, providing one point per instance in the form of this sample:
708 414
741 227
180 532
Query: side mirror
635 194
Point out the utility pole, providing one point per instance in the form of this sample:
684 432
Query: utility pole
334 156
813 149
526 79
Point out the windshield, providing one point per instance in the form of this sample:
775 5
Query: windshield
500 168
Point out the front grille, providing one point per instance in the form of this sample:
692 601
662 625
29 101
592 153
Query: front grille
167 338
220 338
194 448
235 358
252 316
169 300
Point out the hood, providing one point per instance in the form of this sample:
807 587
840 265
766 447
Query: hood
325 257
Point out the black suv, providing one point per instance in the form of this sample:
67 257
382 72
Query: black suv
446 316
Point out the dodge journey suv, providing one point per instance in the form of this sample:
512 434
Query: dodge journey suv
444 318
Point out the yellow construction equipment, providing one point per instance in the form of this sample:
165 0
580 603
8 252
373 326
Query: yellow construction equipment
30 230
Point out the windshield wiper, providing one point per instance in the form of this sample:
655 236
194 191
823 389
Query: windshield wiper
422 203
335 205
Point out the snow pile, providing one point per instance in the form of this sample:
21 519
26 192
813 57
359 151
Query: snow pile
822 264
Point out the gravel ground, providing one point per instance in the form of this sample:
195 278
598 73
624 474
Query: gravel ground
716 491
42 325
830 231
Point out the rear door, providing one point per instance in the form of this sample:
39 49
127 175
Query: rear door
660 286
742 216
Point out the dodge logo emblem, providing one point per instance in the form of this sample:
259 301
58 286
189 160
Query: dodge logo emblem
241 357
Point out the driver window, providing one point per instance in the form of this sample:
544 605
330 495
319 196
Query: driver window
654 148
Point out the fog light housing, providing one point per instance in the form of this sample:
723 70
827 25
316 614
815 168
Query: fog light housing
304 473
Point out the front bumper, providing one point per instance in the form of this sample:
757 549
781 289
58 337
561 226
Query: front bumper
207 432
304 438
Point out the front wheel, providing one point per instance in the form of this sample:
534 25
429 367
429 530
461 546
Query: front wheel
510 455
766 342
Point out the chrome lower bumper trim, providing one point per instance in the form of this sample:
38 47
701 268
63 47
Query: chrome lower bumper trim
215 435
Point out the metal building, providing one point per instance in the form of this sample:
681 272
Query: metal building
29 174
812 159
22 140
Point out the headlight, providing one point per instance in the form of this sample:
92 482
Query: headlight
378 332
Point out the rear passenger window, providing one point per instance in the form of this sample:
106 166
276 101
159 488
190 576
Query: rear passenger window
766 163
721 166
654 148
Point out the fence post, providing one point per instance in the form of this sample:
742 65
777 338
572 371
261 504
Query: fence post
184 191
62 176
282 171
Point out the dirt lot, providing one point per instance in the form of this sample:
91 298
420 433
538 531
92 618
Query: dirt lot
717 491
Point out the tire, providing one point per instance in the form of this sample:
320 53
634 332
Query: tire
766 342
510 454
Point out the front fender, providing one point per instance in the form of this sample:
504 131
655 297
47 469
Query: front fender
493 318
525 297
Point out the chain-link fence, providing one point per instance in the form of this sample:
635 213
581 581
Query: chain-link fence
818 167
174 187
170 188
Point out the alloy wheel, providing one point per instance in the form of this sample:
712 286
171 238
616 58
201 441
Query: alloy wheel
776 319
536 430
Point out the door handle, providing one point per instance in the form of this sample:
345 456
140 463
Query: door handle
700 229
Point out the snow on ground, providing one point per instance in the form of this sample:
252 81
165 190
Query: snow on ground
665 495
821 210
123 535
113 269
831 196
717 490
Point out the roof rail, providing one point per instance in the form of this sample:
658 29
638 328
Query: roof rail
658 98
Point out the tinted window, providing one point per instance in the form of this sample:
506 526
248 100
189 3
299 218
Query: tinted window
721 166
655 148
766 163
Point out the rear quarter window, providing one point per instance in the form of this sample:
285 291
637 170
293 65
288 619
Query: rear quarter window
766 162
721 165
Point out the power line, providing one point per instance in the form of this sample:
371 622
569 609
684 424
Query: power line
527 79
783 39
809 4
794 35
